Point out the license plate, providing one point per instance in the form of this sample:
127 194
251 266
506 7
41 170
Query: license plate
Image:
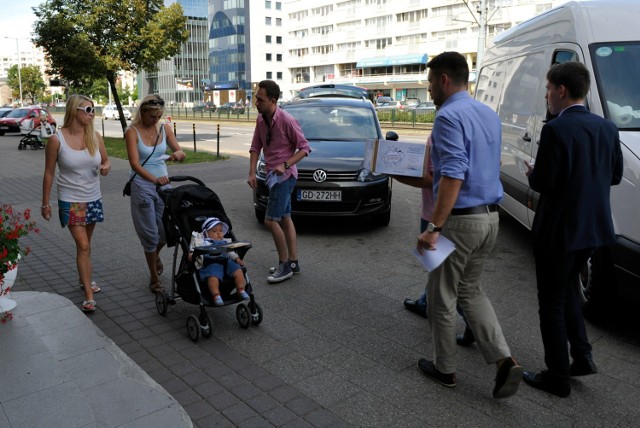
320 195
4 127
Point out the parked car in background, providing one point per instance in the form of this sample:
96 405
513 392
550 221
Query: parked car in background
426 107
384 101
111 112
13 121
333 181
5 111
393 105
205 107
231 108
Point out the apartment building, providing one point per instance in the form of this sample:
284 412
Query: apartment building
384 45
24 54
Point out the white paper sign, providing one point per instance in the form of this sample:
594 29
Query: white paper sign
431 259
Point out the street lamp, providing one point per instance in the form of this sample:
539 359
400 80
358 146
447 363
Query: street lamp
19 75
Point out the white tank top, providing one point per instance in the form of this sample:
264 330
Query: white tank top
78 176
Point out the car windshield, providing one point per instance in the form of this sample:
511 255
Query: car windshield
615 68
18 113
325 122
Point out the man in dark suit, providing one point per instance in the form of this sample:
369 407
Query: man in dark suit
578 161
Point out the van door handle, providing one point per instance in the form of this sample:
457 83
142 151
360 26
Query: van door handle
526 137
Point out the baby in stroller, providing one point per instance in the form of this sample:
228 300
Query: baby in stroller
213 267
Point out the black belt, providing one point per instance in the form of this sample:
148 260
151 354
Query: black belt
480 209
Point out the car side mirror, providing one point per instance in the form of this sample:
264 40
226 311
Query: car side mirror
391 135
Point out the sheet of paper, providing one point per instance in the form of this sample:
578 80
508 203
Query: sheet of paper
273 178
396 157
431 259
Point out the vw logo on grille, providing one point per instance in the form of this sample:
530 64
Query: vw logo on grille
319 175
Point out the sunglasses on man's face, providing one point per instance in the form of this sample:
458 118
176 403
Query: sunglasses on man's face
87 109
156 102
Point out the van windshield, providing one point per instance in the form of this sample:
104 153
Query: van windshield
616 69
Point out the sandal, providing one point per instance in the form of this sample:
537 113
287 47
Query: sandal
159 267
88 306
94 287
156 287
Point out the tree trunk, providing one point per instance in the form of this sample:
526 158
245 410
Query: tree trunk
112 84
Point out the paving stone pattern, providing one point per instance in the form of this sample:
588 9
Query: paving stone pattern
336 348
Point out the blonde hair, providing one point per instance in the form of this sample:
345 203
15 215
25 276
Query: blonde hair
73 102
150 102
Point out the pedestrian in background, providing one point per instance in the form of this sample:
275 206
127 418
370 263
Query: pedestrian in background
467 137
79 152
578 161
279 136
147 143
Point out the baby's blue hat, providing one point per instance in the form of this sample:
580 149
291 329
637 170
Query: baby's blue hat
212 222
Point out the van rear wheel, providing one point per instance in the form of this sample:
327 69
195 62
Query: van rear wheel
591 282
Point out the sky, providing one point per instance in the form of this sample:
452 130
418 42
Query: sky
16 21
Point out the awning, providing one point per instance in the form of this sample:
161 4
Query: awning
385 61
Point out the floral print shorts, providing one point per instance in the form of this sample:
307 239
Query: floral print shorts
80 213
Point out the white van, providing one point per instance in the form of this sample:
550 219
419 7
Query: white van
603 35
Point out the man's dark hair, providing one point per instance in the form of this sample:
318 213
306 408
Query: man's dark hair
272 88
572 75
453 65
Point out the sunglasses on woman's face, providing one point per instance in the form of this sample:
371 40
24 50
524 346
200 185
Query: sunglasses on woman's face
87 109
159 102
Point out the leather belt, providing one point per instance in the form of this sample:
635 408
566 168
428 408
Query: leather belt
480 209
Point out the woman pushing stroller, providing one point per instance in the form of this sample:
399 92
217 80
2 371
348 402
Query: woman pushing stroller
214 267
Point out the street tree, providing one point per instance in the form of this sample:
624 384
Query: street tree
86 40
32 84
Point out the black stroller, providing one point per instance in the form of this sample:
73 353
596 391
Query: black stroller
186 208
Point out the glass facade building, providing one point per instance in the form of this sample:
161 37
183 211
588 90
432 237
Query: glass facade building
181 80
227 20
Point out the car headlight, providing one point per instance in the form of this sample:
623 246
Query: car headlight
366 175
261 170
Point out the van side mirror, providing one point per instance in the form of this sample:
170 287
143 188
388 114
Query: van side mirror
391 135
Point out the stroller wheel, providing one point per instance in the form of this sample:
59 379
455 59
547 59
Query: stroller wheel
162 303
193 327
256 314
243 316
20 146
207 326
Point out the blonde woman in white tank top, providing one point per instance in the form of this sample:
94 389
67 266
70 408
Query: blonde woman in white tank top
79 153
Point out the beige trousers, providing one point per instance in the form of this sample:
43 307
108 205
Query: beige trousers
456 280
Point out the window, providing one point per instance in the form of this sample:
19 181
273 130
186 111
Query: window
279 57
279 75
267 20
269 75
268 57
278 5
267 4
267 39
279 40
279 22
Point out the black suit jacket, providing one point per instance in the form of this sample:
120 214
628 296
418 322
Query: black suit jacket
578 161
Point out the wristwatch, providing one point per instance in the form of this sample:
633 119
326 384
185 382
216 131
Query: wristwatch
286 165
433 228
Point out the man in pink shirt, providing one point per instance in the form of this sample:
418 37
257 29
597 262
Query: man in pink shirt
279 136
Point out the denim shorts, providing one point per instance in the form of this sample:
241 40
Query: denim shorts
218 270
279 204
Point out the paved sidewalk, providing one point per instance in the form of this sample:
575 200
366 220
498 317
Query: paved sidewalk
335 349
59 370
